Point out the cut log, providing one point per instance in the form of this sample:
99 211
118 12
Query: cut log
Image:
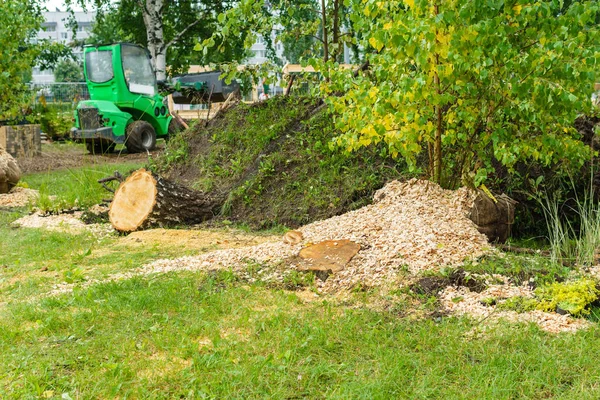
493 217
9 172
146 200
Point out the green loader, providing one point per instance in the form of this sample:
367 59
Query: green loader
125 106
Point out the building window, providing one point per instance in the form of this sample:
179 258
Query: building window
50 28
63 35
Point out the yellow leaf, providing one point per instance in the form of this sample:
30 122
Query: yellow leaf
517 9
375 43
388 26
410 3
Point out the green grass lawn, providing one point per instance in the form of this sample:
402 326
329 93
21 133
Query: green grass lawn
75 186
198 335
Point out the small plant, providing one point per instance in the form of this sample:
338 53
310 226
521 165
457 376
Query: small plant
572 297
73 275
519 304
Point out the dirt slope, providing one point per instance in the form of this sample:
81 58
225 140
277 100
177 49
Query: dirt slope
274 162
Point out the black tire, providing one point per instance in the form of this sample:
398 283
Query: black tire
141 137
99 147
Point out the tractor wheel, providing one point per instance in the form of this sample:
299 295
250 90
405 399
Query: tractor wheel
140 137
99 147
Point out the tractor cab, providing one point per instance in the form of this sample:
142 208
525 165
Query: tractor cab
125 106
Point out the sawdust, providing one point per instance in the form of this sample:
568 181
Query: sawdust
461 301
415 225
18 197
70 223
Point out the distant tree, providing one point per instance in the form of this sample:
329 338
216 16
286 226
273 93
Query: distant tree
19 22
306 28
168 29
68 71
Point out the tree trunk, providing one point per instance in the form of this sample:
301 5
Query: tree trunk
437 146
146 200
325 40
336 31
153 13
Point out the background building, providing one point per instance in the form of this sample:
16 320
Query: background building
55 29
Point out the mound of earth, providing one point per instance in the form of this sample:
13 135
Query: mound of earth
273 162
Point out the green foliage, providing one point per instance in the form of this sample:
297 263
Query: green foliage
124 22
68 71
53 122
573 297
535 269
468 83
19 22
519 304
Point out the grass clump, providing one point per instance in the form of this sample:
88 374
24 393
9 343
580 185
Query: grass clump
76 187
575 298
573 241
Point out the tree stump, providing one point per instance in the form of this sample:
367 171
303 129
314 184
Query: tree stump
493 218
146 200
10 173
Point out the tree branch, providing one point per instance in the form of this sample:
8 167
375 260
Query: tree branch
180 34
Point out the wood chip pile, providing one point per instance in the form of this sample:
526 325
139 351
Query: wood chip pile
18 197
414 225
67 223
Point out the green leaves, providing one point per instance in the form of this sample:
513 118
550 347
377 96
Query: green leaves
509 78
19 22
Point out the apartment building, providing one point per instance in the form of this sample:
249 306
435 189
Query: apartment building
55 29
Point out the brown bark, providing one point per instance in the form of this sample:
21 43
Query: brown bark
493 217
146 200
437 147
325 40
336 29
9 172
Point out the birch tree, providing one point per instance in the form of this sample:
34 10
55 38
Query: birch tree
161 26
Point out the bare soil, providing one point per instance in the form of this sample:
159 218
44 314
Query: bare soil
201 240
57 156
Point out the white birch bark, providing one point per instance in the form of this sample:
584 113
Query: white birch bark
152 14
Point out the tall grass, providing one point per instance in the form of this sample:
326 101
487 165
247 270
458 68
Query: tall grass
64 189
573 243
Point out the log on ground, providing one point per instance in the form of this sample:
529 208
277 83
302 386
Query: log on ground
9 172
146 200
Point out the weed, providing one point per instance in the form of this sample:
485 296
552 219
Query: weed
569 244
572 297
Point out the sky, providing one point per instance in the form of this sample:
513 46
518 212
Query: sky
51 5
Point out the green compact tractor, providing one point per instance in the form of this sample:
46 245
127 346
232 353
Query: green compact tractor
125 106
